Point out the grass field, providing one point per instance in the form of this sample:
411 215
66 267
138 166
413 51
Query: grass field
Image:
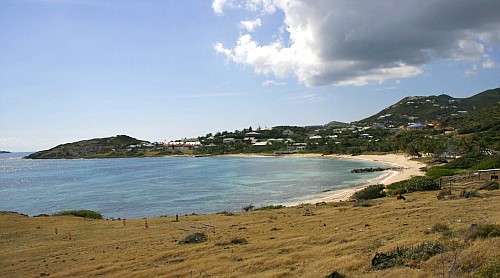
302 241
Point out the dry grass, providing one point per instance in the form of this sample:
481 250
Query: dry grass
278 243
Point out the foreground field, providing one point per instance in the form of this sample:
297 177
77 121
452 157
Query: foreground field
302 241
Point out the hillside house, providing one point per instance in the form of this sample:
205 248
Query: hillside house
288 133
416 126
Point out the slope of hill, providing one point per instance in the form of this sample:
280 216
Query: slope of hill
94 148
302 241
431 108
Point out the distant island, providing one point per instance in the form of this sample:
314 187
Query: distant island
4 152
437 126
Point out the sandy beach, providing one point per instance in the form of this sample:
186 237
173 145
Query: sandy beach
409 168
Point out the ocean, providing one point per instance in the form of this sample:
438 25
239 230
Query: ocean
152 187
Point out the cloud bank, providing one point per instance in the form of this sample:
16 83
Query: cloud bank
344 42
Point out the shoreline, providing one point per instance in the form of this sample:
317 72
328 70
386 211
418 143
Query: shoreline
408 169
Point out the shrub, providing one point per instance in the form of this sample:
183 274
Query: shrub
483 231
80 213
238 240
490 185
443 193
271 207
490 270
437 171
401 256
441 228
370 192
248 207
489 162
414 184
469 194
194 238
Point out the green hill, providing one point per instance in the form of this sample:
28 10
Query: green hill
431 108
118 146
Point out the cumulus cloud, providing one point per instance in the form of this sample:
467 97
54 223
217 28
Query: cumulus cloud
250 25
219 5
343 42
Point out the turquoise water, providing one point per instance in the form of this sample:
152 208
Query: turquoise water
150 187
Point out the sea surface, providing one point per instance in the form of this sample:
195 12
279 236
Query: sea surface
152 187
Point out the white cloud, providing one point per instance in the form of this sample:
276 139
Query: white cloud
343 42
489 64
471 71
272 83
219 5
250 25
307 97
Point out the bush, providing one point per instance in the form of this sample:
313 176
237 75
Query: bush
236 240
370 192
490 185
490 270
483 231
401 256
80 213
437 171
248 208
195 238
414 184
441 228
271 207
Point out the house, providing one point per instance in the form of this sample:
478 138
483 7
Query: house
250 134
260 144
228 141
250 140
287 133
416 126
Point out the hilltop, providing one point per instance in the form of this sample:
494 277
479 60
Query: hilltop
94 148
431 108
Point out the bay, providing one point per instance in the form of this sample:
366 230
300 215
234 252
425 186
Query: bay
151 187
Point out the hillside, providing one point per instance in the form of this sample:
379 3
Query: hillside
431 108
303 241
118 146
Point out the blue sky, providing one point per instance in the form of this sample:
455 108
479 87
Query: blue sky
79 69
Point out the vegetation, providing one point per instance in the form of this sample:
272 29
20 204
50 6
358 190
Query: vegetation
248 207
271 207
333 238
407 256
194 238
483 231
80 213
118 146
414 184
454 127
370 192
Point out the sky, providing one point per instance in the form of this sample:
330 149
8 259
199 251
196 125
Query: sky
162 69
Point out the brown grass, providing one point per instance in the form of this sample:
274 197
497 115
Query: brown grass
279 243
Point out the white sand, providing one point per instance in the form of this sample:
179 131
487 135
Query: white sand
409 168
